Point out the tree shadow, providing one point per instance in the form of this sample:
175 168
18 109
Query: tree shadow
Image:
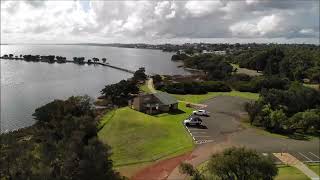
198 126
176 111
303 137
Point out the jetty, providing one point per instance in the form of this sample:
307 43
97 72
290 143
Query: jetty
85 62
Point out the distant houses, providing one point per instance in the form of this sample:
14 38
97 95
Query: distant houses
214 52
155 103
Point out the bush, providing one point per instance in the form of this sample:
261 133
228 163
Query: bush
244 86
216 86
196 87
258 83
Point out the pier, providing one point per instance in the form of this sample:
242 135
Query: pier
85 62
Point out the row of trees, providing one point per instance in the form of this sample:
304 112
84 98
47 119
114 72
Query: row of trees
236 164
62 144
52 58
287 111
194 87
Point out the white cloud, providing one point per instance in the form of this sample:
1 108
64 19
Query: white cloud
269 24
201 8
132 21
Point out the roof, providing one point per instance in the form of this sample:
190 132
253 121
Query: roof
165 98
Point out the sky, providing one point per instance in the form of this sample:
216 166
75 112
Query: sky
176 21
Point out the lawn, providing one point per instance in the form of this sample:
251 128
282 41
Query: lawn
246 71
315 167
136 137
144 88
289 172
195 98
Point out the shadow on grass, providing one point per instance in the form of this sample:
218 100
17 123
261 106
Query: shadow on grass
176 111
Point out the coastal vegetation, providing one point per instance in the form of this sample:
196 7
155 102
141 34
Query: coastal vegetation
295 110
52 59
62 144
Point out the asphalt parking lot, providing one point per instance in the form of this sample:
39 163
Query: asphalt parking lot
306 157
220 122
223 124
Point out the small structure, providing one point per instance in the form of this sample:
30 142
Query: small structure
154 103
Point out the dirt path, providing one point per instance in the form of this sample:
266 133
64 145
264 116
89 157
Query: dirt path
161 170
150 85
292 161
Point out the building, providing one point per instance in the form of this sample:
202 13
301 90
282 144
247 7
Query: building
154 103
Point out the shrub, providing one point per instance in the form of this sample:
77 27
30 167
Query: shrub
196 87
216 86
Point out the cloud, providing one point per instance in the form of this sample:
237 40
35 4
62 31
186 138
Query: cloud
159 21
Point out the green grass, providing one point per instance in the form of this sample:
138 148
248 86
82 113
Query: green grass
249 72
144 88
314 86
289 172
136 137
106 118
315 167
195 98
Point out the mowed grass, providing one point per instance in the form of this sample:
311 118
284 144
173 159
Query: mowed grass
249 72
144 88
195 98
315 167
289 172
136 137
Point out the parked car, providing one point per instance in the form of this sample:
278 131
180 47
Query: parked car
201 112
192 121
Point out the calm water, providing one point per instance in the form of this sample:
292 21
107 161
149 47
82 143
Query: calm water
28 85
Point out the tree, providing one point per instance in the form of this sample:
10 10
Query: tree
95 59
66 145
104 60
240 163
188 169
253 109
140 75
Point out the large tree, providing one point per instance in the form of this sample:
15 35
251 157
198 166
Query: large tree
241 164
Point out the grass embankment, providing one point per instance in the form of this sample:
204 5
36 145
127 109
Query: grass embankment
198 98
314 86
249 72
136 137
315 167
288 172
284 172
144 88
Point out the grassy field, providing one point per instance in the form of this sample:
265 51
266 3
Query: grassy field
144 88
202 97
289 172
315 167
136 137
246 71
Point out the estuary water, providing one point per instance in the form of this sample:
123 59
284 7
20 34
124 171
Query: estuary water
28 85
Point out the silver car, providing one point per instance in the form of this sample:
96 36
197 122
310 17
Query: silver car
193 120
